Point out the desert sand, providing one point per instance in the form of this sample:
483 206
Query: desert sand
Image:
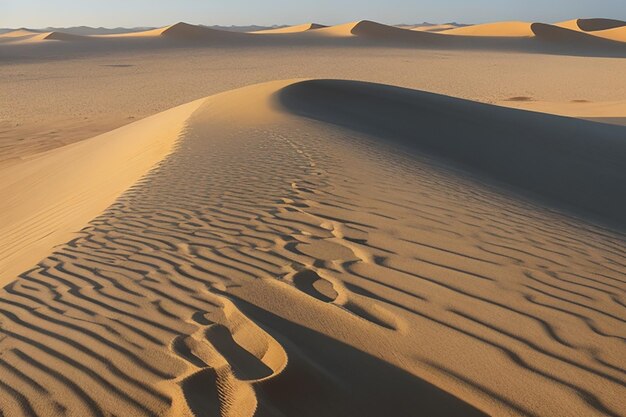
354 220
500 29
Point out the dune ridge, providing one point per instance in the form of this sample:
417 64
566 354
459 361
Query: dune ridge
591 25
504 29
70 185
284 261
562 35
292 29
561 155
506 36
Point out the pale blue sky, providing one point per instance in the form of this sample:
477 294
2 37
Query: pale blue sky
112 13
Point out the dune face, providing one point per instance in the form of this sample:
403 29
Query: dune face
436 28
500 29
572 38
18 33
373 30
185 31
28 36
616 34
592 25
292 29
50 197
547 155
60 36
301 253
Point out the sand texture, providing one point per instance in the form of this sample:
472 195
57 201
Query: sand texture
353 220
299 254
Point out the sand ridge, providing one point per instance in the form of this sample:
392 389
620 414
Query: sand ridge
292 29
498 37
504 29
284 260
68 186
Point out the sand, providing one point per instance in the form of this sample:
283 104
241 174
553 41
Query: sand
288 243
292 29
499 29
436 28
69 186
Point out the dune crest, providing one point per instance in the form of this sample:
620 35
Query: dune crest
19 33
29 36
499 29
436 28
571 37
301 248
546 142
69 186
180 31
292 29
591 25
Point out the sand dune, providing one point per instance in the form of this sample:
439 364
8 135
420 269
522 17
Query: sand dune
374 30
507 36
591 25
370 30
25 36
616 34
547 142
302 252
573 38
512 29
292 29
53 195
610 29
182 31
437 28
19 33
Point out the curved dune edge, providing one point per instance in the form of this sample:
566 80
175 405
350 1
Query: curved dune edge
290 256
28 36
591 25
435 28
46 199
500 142
496 29
292 29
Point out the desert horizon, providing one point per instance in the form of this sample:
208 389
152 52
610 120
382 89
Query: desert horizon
352 219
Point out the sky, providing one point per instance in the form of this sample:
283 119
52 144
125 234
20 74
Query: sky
135 13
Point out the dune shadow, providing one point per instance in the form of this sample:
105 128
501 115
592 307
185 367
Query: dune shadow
327 377
570 163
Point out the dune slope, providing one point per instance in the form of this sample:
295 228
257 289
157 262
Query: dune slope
281 265
292 29
550 155
503 29
48 198
591 25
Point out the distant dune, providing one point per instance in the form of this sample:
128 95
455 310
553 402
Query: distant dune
573 38
70 185
437 28
318 248
28 36
183 32
617 34
292 29
19 33
512 29
558 149
503 36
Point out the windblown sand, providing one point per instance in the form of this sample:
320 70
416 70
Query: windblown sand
312 247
